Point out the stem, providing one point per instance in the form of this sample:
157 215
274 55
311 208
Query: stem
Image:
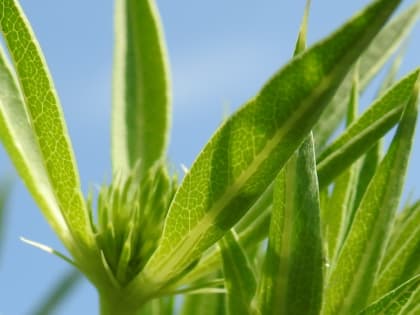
116 306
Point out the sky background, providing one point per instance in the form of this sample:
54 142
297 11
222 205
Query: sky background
221 53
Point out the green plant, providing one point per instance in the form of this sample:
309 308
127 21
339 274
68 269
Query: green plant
331 207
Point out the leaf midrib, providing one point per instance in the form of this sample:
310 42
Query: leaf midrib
179 253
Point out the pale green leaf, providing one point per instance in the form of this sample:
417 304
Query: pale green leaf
245 154
352 276
46 119
394 302
371 62
291 281
380 117
240 280
20 143
141 99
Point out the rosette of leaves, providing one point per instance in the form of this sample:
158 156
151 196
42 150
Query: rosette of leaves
335 243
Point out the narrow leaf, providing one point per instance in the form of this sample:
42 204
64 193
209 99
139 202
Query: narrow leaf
380 117
291 281
46 118
239 277
246 153
141 87
336 214
394 302
352 276
371 62
21 145
400 259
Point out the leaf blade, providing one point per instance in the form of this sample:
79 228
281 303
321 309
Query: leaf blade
372 60
236 181
351 277
239 278
393 303
291 280
141 97
46 118
20 144
381 116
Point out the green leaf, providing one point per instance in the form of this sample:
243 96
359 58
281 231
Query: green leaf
380 117
395 301
141 100
351 278
371 62
21 145
402 259
246 153
46 119
58 293
291 281
239 277
336 214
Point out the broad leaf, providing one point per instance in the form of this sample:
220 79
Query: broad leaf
245 154
352 276
380 117
140 116
371 62
46 119
21 145
291 281
394 302
239 278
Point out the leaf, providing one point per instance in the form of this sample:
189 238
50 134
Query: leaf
58 293
394 302
336 215
20 143
291 280
239 278
352 276
371 62
46 119
402 259
380 117
246 153
141 100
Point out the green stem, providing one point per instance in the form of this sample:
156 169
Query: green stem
116 306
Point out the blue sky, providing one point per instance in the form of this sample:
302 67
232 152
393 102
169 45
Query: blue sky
221 52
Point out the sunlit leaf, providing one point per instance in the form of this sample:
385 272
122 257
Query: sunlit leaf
245 154
393 303
291 281
141 99
46 119
352 275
